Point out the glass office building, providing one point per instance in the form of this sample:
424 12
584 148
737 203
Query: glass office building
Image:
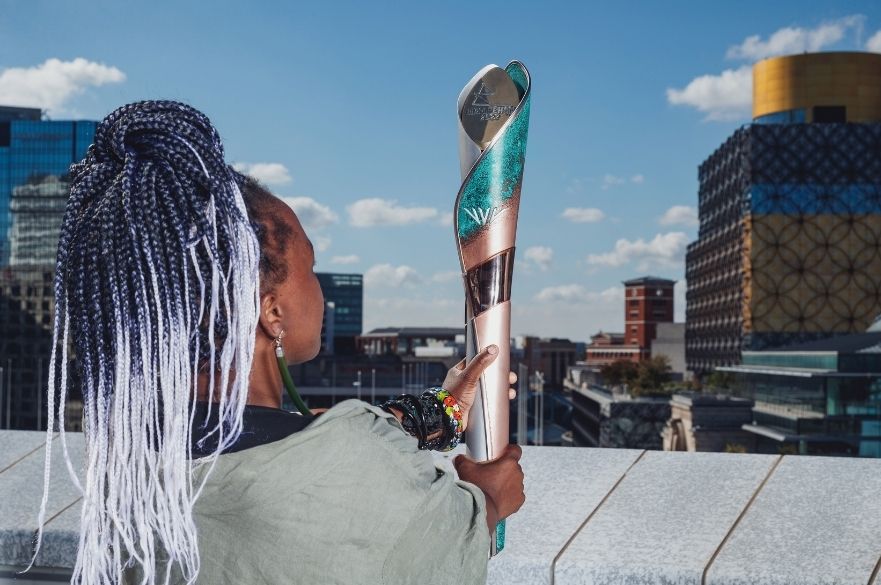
344 311
35 156
817 398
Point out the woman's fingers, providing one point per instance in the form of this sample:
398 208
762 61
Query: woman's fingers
481 361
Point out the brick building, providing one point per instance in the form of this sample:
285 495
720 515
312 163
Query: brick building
648 301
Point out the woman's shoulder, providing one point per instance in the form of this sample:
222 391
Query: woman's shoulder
351 432
352 444
362 426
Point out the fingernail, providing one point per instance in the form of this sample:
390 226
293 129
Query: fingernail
492 349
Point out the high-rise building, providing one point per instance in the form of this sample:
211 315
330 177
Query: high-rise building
35 156
789 243
344 311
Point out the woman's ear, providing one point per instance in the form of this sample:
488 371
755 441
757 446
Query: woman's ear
270 315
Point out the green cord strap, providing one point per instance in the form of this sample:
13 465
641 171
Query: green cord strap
292 390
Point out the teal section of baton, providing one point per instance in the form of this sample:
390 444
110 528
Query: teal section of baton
500 536
499 171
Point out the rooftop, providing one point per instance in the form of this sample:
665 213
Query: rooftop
9 113
415 332
591 516
650 280
853 343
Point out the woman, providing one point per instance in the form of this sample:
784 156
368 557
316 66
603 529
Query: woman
175 276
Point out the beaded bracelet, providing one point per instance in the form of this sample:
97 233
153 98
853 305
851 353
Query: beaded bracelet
435 412
413 420
453 413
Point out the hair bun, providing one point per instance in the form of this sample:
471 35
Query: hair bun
158 130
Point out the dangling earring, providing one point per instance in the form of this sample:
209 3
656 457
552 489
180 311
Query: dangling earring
279 350
286 376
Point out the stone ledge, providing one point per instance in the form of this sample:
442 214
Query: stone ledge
594 516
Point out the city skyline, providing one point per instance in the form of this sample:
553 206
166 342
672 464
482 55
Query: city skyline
349 114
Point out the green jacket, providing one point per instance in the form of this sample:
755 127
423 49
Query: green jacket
349 499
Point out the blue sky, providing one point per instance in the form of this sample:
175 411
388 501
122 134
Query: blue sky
348 110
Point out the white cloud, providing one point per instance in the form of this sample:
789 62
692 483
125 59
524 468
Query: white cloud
349 259
576 293
321 243
377 212
874 43
727 96
790 40
613 180
446 218
51 84
679 215
312 215
446 276
391 276
411 311
663 250
583 214
541 256
576 186
269 173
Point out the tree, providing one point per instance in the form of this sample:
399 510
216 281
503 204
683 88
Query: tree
619 372
719 380
651 376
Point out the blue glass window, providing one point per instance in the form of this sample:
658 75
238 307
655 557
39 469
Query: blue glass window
796 116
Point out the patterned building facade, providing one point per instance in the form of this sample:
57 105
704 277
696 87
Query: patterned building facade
790 213
789 244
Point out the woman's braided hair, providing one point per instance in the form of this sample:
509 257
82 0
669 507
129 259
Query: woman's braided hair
157 278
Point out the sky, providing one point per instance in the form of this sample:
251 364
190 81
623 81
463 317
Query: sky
348 111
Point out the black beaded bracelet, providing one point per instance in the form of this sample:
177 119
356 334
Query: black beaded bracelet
423 417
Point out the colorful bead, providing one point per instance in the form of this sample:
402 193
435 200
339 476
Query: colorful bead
453 415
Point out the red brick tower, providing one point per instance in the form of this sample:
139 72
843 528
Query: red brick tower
647 302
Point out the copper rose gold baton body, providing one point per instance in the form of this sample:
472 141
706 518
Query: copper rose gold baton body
493 125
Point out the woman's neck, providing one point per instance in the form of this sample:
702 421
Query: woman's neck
264 383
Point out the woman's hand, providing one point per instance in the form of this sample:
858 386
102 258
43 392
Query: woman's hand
461 380
500 480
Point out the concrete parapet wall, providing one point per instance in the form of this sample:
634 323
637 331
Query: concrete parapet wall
593 516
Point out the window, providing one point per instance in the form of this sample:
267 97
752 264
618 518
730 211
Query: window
796 116
830 114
